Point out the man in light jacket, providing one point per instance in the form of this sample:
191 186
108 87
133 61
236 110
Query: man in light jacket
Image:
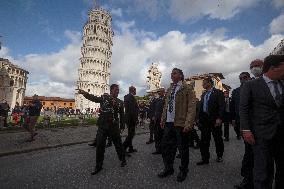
177 120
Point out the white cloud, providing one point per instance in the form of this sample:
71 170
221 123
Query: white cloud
116 12
152 8
278 3
185 10
277 25
194 53
55 74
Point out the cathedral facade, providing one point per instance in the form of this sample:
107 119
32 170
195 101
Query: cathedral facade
95 61
13 80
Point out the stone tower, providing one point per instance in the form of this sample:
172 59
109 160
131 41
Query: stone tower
95 61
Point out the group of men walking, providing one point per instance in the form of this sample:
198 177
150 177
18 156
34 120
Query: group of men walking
256 110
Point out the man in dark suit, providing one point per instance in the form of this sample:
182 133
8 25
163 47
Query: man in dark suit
262 122
157 115
210 118
244 77
227 117
247 162
150 115
131 117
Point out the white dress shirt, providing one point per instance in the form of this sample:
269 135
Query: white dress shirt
171 115
269 83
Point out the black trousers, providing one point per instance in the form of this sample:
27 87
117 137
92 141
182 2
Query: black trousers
113 132
208 127
193 136
226 130
247 164
237 128
266 153
108 140
158 136
152 129
6 121
130 135
174 138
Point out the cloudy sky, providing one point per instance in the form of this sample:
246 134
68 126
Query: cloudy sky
198 36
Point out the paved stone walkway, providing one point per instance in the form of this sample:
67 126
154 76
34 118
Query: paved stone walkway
15 142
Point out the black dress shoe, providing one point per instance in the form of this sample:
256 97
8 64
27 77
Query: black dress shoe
97 170
245 184
132 150
123 163
93 144
156 153
181 176
203 162
166 173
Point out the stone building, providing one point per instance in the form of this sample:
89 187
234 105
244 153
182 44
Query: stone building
95 61
197 82
13 80
53 102
279 49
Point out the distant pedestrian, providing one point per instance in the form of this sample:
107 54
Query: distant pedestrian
5 109
34 110
16 117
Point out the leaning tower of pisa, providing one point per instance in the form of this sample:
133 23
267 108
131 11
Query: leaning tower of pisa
95 61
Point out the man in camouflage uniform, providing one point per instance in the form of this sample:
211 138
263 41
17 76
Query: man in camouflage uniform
110 123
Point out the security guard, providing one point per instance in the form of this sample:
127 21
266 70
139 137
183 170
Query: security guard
110 123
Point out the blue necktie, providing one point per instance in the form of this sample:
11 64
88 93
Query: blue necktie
171 101
278 96
205 103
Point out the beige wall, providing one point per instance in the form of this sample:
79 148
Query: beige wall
198 88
